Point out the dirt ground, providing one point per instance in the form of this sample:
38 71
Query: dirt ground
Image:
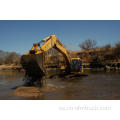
10 67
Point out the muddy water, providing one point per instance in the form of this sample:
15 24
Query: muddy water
95 86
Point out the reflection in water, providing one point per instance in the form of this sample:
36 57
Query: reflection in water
97 85
8 80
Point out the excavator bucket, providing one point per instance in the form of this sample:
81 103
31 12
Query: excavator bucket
33 65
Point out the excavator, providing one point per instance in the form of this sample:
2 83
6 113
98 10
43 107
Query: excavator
33 60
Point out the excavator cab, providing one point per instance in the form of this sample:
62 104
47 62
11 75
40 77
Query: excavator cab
76 65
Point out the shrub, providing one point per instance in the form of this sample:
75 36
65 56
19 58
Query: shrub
117 50
96 63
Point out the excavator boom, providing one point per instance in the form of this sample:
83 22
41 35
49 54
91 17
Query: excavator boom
33 61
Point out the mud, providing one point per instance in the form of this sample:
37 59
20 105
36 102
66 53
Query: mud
27 92
33 91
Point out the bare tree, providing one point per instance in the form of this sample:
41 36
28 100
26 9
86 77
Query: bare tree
12 58
88 44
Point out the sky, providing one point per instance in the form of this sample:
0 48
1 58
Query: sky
19 36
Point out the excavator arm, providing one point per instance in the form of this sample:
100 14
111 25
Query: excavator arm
51 42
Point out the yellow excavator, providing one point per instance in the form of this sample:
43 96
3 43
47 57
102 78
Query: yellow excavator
33 61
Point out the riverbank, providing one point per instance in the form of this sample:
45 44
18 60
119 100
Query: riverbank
11 67
19 68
